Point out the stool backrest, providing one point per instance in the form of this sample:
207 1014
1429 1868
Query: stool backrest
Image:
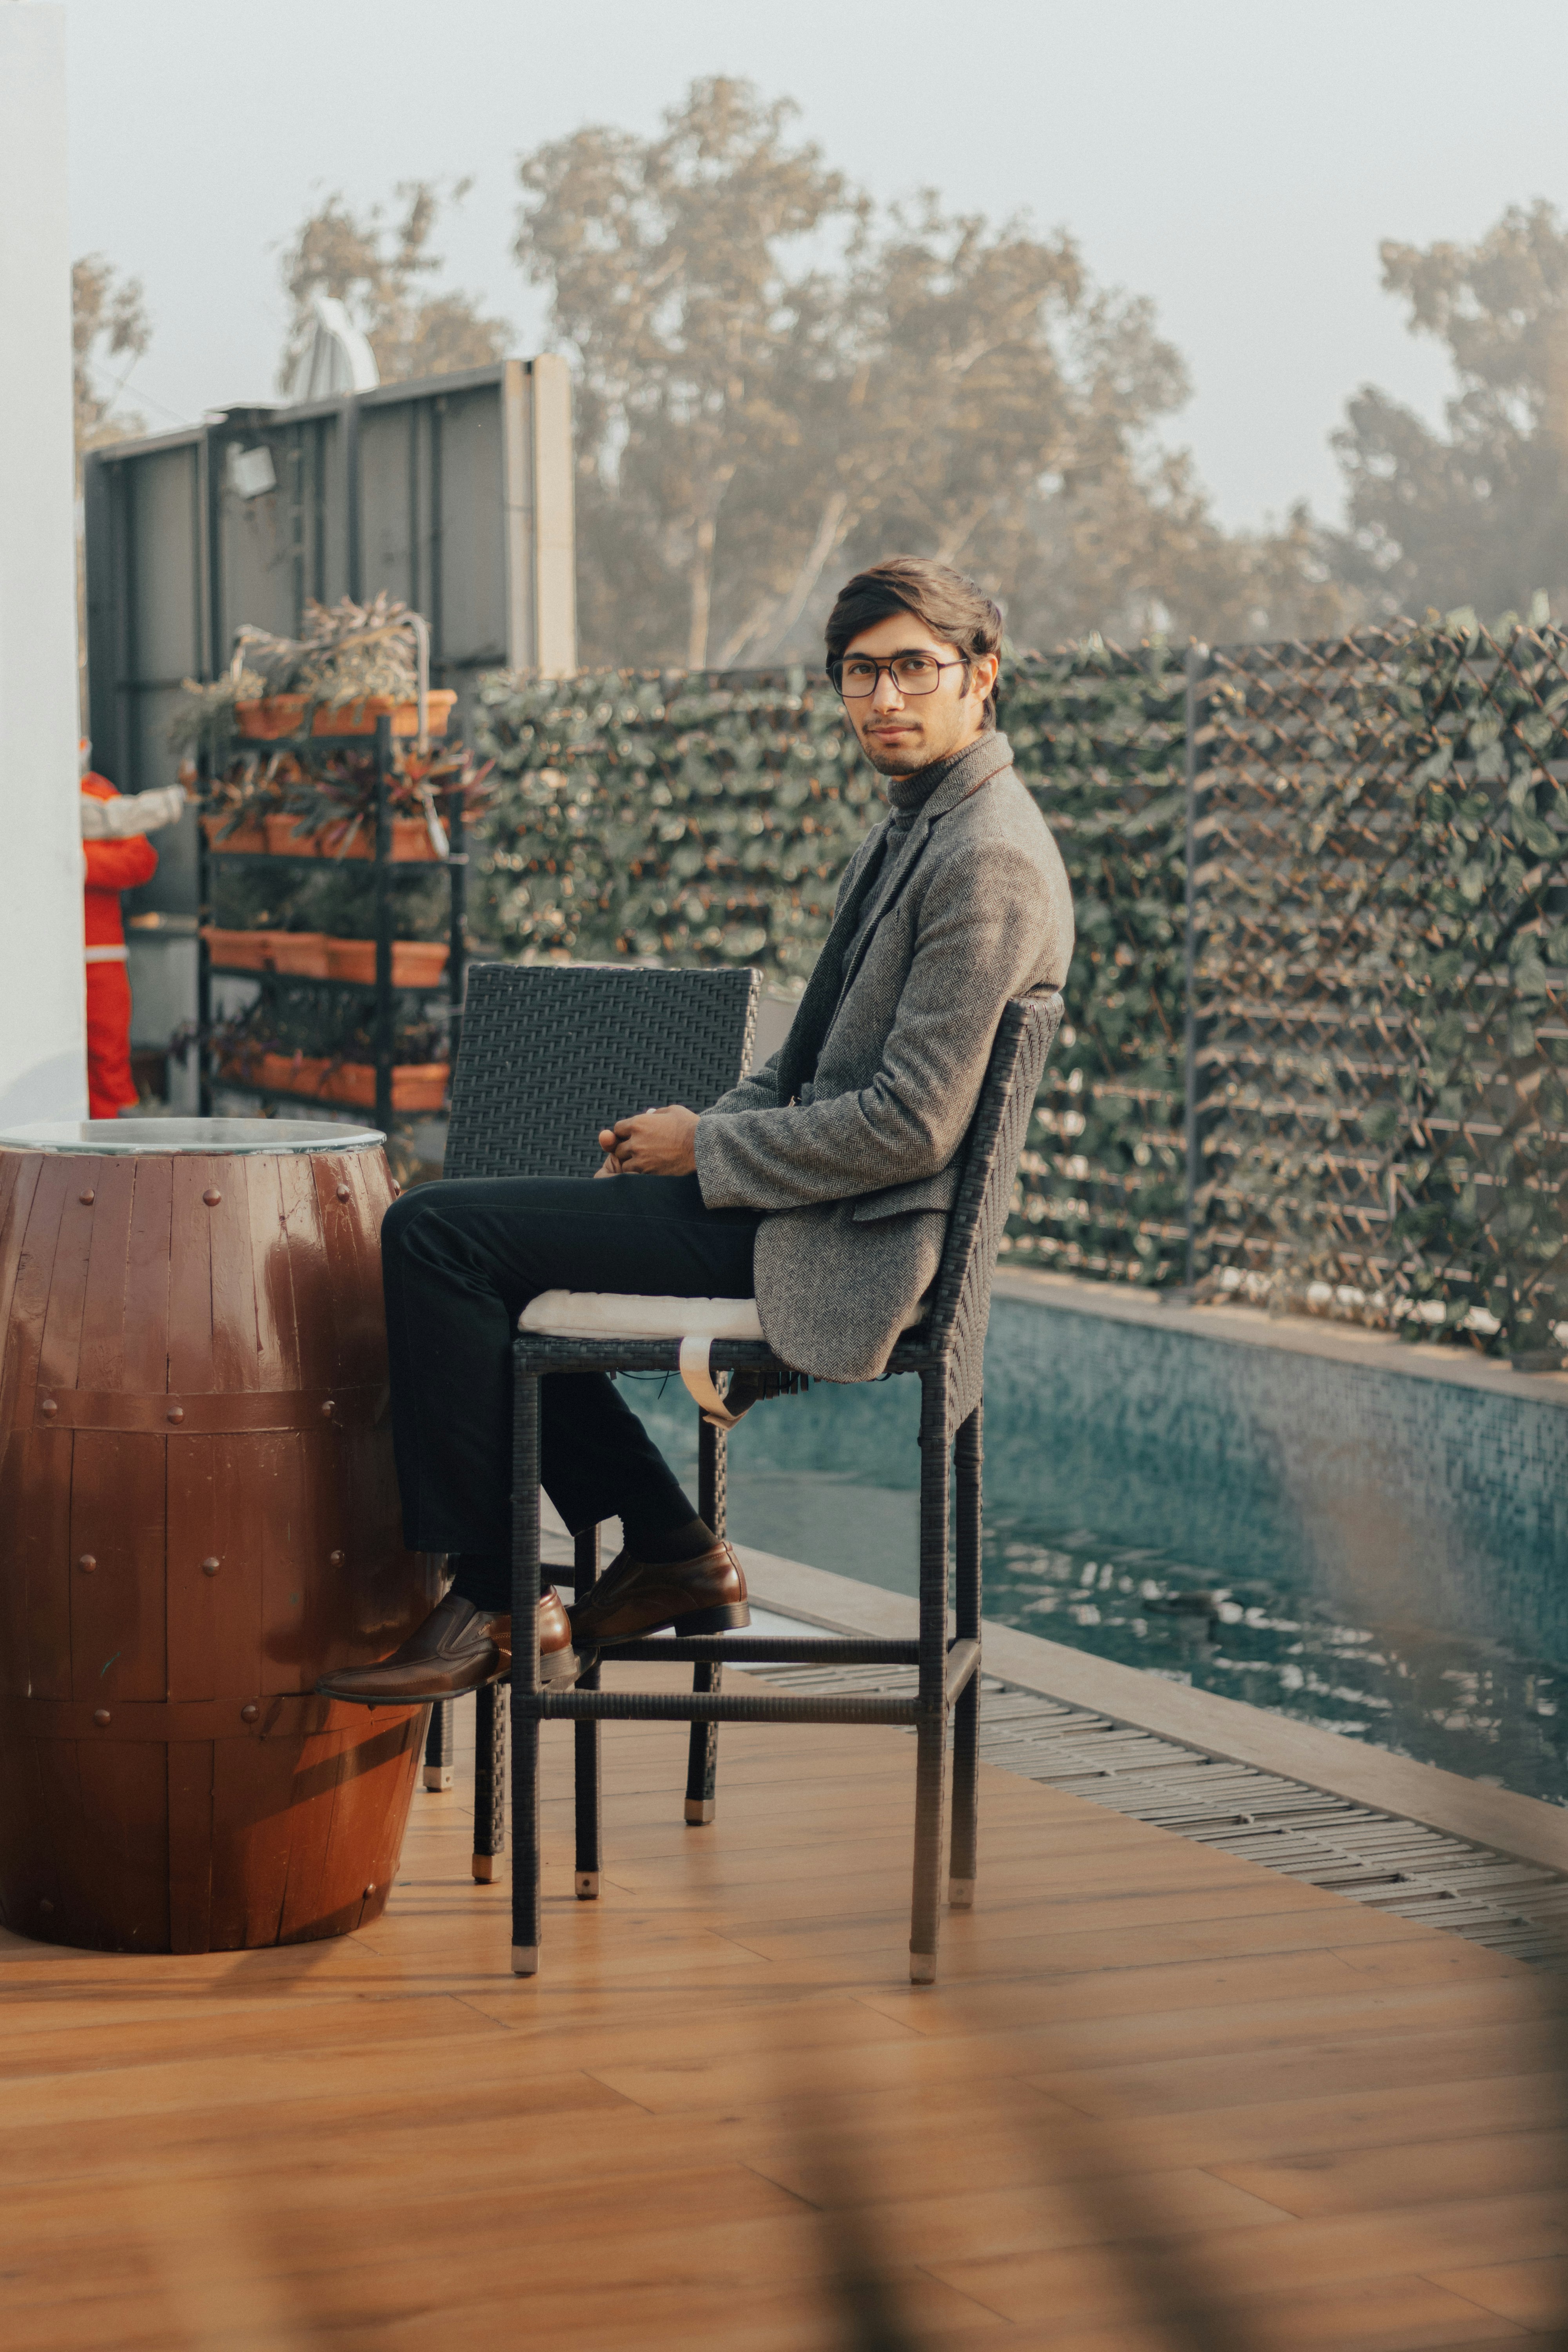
961 1304
552 1052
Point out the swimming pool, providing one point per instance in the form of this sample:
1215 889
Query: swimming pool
1356 1546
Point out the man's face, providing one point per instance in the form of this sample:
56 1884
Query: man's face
901 731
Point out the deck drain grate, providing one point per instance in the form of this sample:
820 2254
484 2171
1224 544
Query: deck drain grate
1327 1841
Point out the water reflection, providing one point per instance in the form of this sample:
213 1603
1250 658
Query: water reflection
1377 1554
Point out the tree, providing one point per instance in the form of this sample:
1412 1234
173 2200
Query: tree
109 323
381 270
667 262
1478 514
775 382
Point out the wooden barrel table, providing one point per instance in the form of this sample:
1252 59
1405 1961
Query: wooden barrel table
198 1517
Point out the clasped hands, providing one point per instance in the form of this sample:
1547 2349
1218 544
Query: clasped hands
655 1143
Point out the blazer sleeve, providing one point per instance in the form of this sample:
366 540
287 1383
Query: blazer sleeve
978 941
759 1090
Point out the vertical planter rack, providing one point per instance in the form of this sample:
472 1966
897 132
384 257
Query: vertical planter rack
385 871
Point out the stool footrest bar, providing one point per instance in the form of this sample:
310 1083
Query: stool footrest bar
760 1649
710 1706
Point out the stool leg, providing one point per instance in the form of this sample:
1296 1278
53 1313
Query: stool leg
962 1863
585 1738
525 1871
703 1755
438 1773
489 1782
703 1751
930 1761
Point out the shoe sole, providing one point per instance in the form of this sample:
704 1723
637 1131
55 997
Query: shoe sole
555 1668
725 1617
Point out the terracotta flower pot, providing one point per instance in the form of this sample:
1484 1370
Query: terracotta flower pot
416 963
283 841
249 836
410 840
360 717
266 720
240 950
416 1085
301 954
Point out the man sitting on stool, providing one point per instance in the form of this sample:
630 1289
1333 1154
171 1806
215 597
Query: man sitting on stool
820 1185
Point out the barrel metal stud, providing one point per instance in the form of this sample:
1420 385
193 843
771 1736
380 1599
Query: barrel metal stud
49 1408
343 1192
212 1196
248 1713
87 1198
86 1564
328 1409
101 1716
336 1558
210 1566
175 1413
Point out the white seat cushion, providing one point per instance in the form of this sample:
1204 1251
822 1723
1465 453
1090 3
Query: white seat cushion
623 1314
695 1322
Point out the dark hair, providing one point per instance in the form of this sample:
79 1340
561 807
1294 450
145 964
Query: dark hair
951 607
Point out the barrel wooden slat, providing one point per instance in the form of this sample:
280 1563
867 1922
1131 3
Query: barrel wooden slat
190 1771
30 1296
101 1356
19 1179
216 1622
233 1563
352 1231
308 1277
235 1341
34 1513
277 1343
118 1636
60 1352
144 1362
123 1837
189 1348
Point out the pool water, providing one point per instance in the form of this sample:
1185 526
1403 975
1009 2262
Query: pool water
1375 1554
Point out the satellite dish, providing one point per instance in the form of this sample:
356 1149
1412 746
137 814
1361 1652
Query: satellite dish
336 360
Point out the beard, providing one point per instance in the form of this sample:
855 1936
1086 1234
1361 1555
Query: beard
897 758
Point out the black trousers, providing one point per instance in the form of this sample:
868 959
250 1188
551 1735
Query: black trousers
459 1262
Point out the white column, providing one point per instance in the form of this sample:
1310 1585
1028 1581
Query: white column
43 1070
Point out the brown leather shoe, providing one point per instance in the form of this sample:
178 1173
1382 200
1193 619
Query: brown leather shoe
705 1595
458 1646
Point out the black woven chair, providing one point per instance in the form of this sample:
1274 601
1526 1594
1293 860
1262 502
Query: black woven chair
947 1350
548 1055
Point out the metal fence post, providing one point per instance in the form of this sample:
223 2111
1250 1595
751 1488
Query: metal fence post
1197 665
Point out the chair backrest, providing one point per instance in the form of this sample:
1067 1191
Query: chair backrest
961 1302
552 1052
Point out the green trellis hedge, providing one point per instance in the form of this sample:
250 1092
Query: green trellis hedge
1381 1022
707 819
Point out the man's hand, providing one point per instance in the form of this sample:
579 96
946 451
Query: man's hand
655 1143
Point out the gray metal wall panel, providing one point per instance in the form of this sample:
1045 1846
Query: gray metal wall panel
470 534
387 526
427 489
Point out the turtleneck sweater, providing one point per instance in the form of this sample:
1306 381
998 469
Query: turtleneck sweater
988 755
908 795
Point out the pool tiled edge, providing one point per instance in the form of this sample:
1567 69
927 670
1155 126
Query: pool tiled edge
1419 1841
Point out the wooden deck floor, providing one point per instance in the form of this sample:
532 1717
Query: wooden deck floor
1150 2072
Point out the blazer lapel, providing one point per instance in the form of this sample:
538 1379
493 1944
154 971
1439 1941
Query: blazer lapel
988 758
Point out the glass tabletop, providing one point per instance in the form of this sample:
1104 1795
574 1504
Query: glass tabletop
161 1137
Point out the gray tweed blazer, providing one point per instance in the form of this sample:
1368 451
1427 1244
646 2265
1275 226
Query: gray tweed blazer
856 1173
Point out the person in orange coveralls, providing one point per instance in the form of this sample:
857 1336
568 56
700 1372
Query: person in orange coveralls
119 856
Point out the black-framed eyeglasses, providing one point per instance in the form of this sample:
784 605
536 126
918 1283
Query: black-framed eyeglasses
856 676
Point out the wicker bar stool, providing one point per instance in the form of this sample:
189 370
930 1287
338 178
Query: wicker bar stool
548 1053
946 1349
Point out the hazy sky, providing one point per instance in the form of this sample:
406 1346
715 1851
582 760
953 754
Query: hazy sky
1238 161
